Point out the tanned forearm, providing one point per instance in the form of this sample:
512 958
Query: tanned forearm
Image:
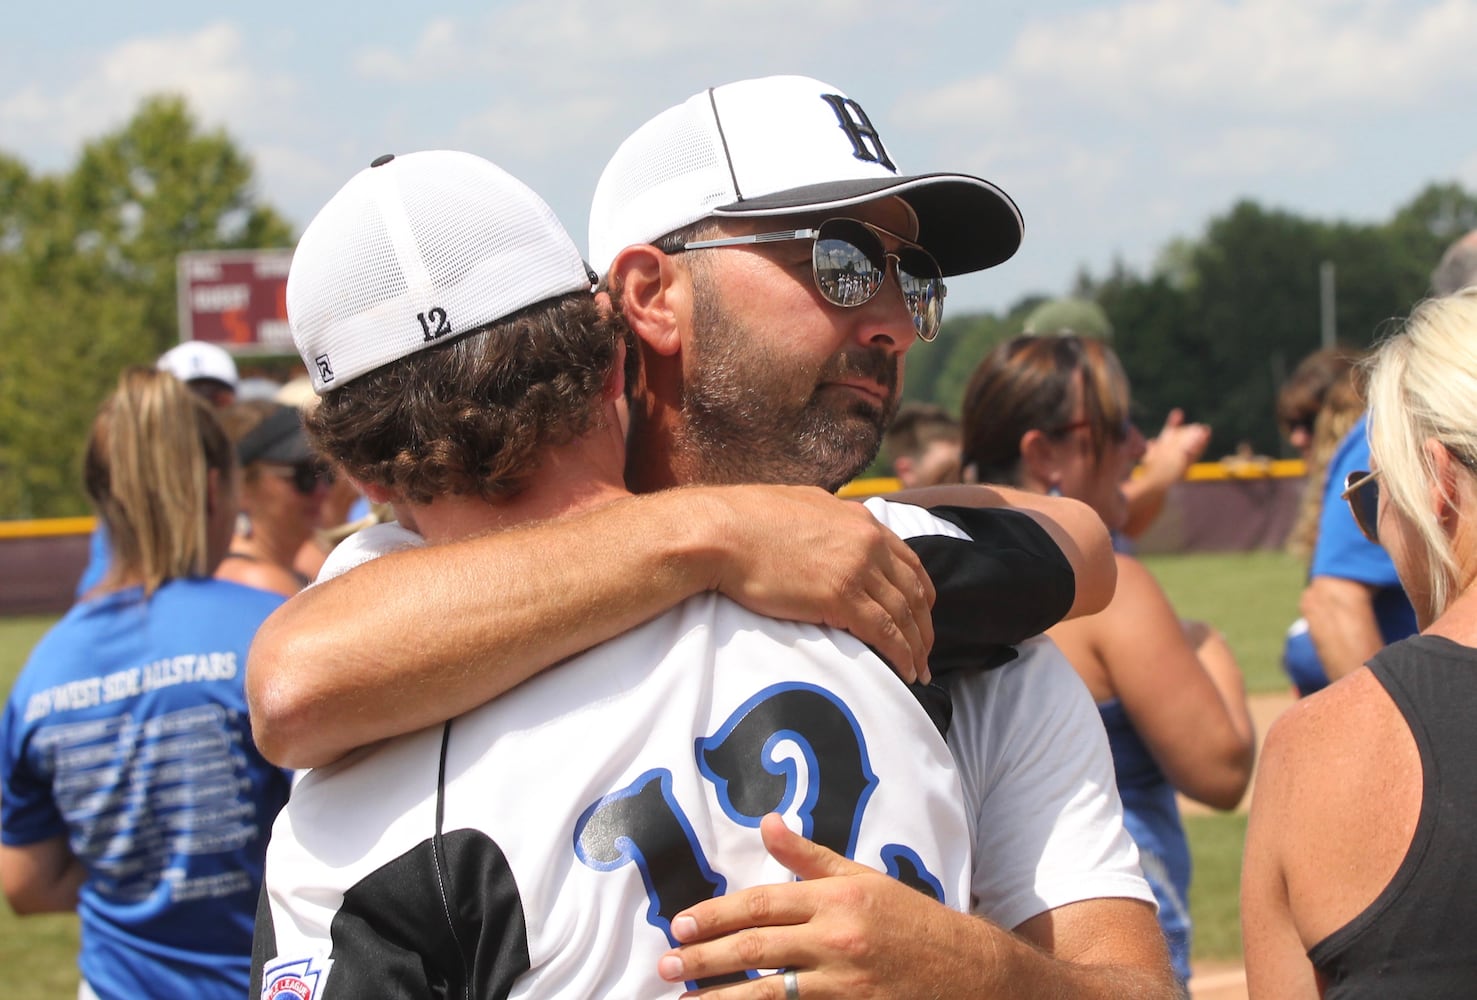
418 637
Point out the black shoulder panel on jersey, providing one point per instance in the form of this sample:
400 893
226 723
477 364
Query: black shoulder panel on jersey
263 942
390 937
1010 582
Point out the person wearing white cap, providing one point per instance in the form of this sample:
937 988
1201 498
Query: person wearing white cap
541 842
791 300
207 368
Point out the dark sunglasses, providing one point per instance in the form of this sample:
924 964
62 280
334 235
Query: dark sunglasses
304 476
1363 495
849 264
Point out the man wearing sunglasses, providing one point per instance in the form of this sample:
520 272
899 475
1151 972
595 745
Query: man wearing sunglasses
775 267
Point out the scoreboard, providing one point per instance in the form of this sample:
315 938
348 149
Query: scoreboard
236 299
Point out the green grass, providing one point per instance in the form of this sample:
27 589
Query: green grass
1215 848
38 954
1251 597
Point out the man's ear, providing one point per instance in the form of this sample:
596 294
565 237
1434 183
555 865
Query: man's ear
655 294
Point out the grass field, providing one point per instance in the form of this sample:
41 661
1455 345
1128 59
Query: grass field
1250 597
38 955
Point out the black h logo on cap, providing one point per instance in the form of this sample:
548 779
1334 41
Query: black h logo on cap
866 144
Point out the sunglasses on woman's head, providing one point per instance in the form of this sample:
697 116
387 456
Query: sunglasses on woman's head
849 264
1363 495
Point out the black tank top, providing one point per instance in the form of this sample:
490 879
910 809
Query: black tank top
1419 937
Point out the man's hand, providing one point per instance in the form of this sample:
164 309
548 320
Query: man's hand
799 553
849 931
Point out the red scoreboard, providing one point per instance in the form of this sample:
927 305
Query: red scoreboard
237 299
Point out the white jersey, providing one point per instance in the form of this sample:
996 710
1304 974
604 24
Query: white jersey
540 845
1042 807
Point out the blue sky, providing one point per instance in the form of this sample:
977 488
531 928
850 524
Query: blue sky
1116 126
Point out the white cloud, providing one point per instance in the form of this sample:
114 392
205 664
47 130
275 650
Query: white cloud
209 67
1273 150
1149 58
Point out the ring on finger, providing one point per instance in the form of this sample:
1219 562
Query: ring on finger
792 985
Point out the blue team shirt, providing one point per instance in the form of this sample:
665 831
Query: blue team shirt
1342 551
127 732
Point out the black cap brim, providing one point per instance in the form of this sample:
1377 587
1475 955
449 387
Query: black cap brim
968 224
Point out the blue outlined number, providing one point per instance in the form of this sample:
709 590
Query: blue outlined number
643 824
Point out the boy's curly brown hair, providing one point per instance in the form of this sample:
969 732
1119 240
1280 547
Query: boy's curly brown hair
471 417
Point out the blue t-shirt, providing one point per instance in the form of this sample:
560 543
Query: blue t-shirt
127 733
1151 814
1343 551
99 558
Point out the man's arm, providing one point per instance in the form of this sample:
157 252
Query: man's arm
1341 620
853 932
1074 526
417 637
43 877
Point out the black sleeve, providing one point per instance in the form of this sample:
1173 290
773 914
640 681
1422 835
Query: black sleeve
1010 581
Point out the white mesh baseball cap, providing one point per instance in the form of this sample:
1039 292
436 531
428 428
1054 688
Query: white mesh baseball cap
781 145
414 250
199 359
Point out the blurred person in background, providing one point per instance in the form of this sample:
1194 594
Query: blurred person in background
1166 457
922 445
209 371
1457 268
132 792
344 510
1353 603
1317 406
1359 858
283 486
1050 414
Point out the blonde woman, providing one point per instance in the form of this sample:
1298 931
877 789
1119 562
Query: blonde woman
1359 865
132 792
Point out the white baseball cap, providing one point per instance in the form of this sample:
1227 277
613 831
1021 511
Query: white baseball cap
414 250
196 359
778 146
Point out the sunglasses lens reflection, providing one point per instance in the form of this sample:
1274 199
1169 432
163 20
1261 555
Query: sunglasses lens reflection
850 265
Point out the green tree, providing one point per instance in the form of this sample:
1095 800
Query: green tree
87 281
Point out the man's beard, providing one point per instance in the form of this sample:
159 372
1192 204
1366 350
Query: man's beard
746 420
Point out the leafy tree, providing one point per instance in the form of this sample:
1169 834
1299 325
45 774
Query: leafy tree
87 281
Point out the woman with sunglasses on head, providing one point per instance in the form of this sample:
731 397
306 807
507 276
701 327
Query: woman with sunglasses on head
132 791
1051 414
283 486
1359 865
